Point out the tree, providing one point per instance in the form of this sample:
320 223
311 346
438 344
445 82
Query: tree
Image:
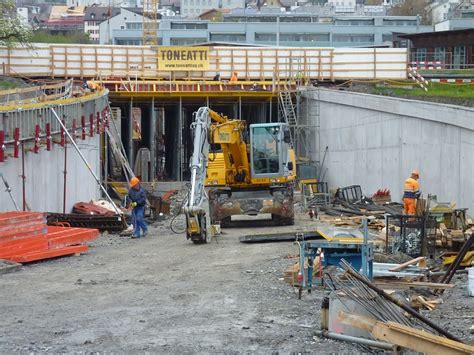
413 8
12 30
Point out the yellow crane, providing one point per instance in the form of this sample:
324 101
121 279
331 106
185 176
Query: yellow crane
150 22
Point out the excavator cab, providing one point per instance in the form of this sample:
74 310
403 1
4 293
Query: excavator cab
270 144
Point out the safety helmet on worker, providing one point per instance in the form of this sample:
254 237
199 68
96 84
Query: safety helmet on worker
415 172
134 182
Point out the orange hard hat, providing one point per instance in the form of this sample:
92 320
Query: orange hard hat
415 172
134 182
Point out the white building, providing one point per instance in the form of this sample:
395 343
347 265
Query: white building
193 8
22 14
343 5
125 20
94 16
111 3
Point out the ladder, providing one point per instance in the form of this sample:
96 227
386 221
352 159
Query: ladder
287 108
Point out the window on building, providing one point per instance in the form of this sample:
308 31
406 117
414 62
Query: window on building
387 37
185 2
459 57
188 26
186 41
353 38
228 37
351 22
134 25
388 22
304 37
229 2
440 55
198 2
128 42
420 55
265 37
295 19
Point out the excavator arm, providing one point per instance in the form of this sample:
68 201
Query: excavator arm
196 206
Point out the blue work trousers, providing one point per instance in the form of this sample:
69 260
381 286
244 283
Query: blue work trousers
138 221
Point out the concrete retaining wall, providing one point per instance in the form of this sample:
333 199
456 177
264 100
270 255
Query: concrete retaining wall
376 141
45 179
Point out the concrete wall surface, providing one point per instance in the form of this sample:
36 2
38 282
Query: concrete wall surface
44 181
375 141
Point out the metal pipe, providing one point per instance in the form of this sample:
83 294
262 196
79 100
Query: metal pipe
400 303
65 177
454 266
8 189
357 340
85 161
23 177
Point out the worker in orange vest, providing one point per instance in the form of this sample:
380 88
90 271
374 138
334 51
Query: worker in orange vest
411 193
234 77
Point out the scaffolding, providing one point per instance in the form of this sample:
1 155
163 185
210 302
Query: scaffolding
303 122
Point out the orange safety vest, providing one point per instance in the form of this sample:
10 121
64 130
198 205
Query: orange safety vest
233 77
411 189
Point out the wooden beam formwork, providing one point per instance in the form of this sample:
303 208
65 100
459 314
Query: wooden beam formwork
251 63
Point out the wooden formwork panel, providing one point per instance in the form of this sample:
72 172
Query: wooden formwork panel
251 63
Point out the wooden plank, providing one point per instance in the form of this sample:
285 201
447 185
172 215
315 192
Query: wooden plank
407 337
408 263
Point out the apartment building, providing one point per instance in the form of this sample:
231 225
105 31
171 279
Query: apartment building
284 29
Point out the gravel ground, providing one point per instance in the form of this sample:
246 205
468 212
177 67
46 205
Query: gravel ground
164 294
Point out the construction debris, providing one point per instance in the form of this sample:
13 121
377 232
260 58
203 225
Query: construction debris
25 237
405 336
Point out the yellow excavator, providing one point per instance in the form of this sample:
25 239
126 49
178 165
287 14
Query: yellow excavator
237 170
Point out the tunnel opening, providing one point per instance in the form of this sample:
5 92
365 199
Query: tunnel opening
157 138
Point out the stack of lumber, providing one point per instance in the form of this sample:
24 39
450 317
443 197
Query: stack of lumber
345 221
452 238
25 237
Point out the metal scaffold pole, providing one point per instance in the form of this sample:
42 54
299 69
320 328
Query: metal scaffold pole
78 150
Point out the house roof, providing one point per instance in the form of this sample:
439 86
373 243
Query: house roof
222 11
438 34
100 13
60 12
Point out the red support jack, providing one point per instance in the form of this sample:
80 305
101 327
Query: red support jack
16 138
48 136
2 146
105 118
37 139
63 135
98 128
83 124
91 122
74 127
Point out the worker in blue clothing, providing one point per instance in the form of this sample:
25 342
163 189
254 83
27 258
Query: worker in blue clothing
137 196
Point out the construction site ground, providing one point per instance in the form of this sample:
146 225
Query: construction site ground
161 293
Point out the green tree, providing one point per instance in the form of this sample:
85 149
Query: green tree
12 30
414 8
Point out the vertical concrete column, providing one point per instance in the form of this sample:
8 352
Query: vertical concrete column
152 136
